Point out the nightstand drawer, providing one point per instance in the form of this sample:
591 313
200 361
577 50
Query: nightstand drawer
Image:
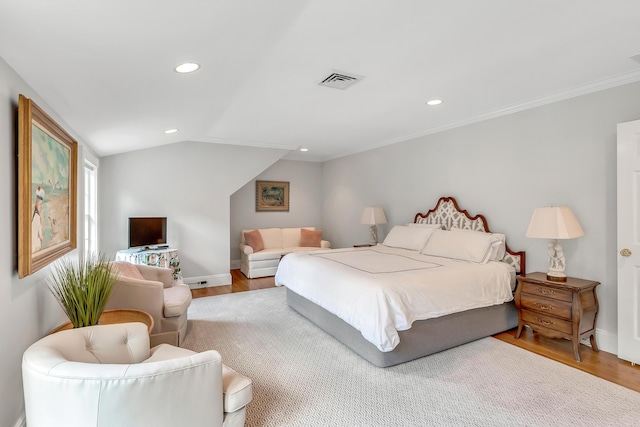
547 292
546 305
537 319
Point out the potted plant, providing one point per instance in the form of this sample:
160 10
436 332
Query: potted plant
82 287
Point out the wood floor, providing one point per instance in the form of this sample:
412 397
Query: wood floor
601 364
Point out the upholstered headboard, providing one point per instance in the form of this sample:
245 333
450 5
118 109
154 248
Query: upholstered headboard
448 214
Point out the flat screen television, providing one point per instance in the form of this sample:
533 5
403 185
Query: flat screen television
145 232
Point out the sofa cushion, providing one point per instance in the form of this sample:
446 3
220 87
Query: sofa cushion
176 300
272 238
254 239
267 254
290 237
310 238
167 352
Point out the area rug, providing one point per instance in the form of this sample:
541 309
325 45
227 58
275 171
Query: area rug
304 377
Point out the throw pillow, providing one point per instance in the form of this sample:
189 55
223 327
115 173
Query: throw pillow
126 269
310 238
254 239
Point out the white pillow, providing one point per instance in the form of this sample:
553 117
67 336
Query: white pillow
412 238
424 224
498 245
471 246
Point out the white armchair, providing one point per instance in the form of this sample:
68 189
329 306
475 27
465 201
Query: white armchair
107 376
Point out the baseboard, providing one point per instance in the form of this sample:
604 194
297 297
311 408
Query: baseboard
207 281
234 264
606 341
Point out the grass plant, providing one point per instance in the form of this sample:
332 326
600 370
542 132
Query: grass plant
82 287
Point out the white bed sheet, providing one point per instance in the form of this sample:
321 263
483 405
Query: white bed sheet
381 290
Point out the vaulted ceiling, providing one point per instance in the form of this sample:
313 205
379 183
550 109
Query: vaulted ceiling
107 67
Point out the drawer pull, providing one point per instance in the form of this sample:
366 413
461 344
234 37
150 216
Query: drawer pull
547 291
544 307
543 322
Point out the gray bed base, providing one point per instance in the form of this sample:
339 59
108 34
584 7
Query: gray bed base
425 336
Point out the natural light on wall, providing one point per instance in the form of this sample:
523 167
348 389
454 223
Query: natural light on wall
90 208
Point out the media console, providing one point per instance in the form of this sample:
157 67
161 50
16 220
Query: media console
158 256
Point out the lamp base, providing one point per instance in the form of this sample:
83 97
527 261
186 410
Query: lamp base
556 277
374 235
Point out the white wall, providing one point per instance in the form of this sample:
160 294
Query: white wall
27 309
305 204
190 183
559 154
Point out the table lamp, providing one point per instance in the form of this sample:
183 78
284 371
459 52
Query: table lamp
373 216
554 222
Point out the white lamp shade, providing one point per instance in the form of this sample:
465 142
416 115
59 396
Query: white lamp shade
555 222
373 215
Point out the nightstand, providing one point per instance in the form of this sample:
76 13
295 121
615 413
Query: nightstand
558 309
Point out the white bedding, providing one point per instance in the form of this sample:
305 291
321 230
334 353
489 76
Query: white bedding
382 290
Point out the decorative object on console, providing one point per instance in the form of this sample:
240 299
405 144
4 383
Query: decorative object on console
272 196
373 215
83 288
555 222
47 171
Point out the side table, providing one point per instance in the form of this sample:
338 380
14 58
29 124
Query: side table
110 317
558 309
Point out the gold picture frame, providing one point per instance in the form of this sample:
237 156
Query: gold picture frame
272 196
47 189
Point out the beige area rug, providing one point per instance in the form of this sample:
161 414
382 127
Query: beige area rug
304 377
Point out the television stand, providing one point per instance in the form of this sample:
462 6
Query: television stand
156 256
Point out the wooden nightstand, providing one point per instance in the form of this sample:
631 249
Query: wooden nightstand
558 309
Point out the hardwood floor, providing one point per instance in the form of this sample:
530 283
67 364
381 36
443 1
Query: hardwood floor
239 283
601 364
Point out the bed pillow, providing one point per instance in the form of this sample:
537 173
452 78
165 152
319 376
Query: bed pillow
424 224
412 238
310 238
254 239
470 246
498 243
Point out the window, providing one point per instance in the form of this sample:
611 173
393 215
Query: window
90 208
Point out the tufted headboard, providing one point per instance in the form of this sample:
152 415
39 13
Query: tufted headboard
448 214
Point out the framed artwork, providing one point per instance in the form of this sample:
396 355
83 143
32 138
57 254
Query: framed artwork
272 196
47 196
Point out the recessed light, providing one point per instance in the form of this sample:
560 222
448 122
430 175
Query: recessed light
434 102
169 131
187 67
304 149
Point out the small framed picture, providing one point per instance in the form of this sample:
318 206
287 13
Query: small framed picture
272 196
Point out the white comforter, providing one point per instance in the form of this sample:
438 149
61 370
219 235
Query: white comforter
381 290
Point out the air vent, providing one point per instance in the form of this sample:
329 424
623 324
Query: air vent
340 80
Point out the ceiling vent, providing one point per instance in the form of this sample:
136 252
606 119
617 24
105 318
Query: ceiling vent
340 80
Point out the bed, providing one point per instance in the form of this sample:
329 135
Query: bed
441 281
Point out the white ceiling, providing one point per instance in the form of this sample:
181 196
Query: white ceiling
106 67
